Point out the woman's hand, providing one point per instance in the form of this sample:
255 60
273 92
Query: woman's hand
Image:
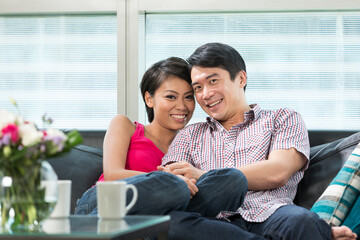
183 168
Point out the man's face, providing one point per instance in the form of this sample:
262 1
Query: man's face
216 93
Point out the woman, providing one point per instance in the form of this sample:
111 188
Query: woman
131 150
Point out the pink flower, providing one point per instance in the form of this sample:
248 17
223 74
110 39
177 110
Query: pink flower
44 133
11 130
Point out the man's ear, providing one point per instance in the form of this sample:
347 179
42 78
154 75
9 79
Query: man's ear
149 100
243 78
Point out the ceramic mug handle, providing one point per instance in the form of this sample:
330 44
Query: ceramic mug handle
134 198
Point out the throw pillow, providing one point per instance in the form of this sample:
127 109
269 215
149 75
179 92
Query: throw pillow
352 220
339 197
326 160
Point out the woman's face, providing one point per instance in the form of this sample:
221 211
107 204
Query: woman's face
173 103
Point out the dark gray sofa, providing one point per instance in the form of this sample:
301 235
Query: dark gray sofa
329 151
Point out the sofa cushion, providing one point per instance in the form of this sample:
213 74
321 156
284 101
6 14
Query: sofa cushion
326 160
339 197
82 165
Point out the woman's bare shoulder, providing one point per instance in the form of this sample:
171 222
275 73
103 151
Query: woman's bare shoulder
122 123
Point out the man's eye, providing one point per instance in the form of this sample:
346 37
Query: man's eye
213 80
197 88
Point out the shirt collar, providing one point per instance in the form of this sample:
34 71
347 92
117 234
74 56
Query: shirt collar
251 115
255 110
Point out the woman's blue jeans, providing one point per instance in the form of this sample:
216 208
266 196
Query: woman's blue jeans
160 193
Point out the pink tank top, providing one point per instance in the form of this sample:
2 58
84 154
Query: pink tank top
143 155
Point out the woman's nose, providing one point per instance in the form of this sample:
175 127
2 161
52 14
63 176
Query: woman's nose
180 104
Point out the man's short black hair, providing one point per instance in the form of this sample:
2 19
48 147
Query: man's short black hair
218 55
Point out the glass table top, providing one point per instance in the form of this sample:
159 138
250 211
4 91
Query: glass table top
82 227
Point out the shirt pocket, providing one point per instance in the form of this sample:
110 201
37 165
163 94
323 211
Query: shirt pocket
204 158
257 147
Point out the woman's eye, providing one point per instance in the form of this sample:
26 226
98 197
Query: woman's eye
170 96
189 97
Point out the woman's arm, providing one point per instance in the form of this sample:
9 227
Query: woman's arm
116 145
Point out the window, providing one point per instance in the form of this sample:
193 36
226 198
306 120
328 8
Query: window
62 65
308 61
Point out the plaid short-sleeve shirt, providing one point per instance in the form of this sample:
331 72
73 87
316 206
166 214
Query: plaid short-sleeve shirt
209 146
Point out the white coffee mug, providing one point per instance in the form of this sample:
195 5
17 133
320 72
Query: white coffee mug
62 207
111 225
56 225
111 199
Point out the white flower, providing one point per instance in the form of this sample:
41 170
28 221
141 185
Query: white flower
54 133
29 134
6 118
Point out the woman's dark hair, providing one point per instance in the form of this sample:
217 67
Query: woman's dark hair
218 55
158 73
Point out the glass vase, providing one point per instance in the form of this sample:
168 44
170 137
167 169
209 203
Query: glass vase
28 194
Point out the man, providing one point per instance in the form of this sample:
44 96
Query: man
270 148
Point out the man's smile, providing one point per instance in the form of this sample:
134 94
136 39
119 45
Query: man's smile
214 103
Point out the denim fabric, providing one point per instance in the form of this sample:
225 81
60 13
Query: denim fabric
191 226
219 190
160 193
289 222
87 202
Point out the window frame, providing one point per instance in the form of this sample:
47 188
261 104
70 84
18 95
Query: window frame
154 6
238 6
126 46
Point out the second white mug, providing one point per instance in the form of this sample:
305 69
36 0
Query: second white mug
111 199
62 207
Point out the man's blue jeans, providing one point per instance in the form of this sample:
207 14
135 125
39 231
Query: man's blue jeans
160 193
289 222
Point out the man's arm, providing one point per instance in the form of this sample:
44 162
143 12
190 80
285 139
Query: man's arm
288 153
275 171
264 175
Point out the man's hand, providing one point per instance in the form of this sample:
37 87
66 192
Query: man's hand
186 172
190 182
191 185
183 168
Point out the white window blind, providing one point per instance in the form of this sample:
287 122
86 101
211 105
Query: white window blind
308 61
64 66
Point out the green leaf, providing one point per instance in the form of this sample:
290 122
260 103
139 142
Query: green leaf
20 154
74 138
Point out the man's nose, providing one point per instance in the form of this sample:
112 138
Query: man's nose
207 93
